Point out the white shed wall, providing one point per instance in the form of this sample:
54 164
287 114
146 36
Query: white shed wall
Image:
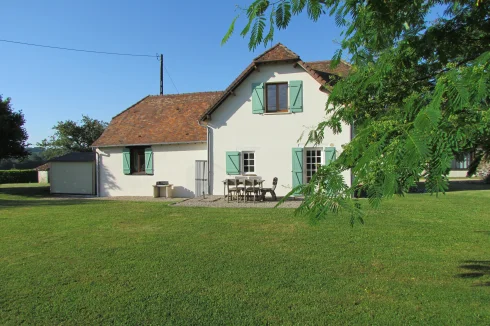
270 136
173 163
72 178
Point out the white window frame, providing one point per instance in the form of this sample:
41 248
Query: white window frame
243 162
305 160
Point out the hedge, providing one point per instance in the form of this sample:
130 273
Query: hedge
18 176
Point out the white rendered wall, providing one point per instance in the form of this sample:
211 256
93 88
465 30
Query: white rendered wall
458 173
72 178
270 136
42 176
173 163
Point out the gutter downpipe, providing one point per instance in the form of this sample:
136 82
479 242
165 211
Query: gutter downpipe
97 172
208 154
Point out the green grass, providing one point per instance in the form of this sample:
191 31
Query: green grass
418 260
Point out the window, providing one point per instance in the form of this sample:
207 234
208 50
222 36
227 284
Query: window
313 160
276 97
248 162
137 160
462 164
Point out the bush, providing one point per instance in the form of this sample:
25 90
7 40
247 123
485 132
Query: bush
18 176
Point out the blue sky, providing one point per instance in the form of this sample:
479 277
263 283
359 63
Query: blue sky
52 85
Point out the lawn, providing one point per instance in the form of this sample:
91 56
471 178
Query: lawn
417 260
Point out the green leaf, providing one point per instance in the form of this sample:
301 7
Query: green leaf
314 9
230 31
298 6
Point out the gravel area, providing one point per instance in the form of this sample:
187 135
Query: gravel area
140 198
209 201
219 201
119 198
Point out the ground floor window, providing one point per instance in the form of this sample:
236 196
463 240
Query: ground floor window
248 162
463 163
313 159
137 160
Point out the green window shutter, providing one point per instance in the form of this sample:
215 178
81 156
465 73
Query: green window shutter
296 95
232 163
148 161
258 98
329 155
297 165
126 161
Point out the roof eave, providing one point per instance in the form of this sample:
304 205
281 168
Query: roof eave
151 144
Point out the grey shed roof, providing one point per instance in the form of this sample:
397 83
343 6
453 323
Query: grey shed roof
75 157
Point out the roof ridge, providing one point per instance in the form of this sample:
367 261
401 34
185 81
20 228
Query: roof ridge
148 96
330 60
267 51
317 61
274 47
347 63
188 93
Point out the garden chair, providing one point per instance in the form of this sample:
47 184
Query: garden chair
252 186
272 190
240 187
231 186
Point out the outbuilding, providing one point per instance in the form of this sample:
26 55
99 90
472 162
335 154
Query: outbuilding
43 173
73 173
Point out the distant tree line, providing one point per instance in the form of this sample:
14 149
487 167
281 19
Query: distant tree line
69 136
34 159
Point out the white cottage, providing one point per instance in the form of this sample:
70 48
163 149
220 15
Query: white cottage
254 127
196 140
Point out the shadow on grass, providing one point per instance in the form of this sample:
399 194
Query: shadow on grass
9 203
456 185
475 269
27 191
33 195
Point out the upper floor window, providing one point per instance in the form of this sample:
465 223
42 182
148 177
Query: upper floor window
276 97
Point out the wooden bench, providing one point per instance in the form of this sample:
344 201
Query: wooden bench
167 191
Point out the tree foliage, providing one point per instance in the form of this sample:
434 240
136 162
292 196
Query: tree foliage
13 136
72 136
417 94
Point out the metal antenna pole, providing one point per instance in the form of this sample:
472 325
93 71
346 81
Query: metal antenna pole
161 74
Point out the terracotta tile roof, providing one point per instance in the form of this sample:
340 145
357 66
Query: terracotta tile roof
323 68
320 70
44 167
277 53
159 119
